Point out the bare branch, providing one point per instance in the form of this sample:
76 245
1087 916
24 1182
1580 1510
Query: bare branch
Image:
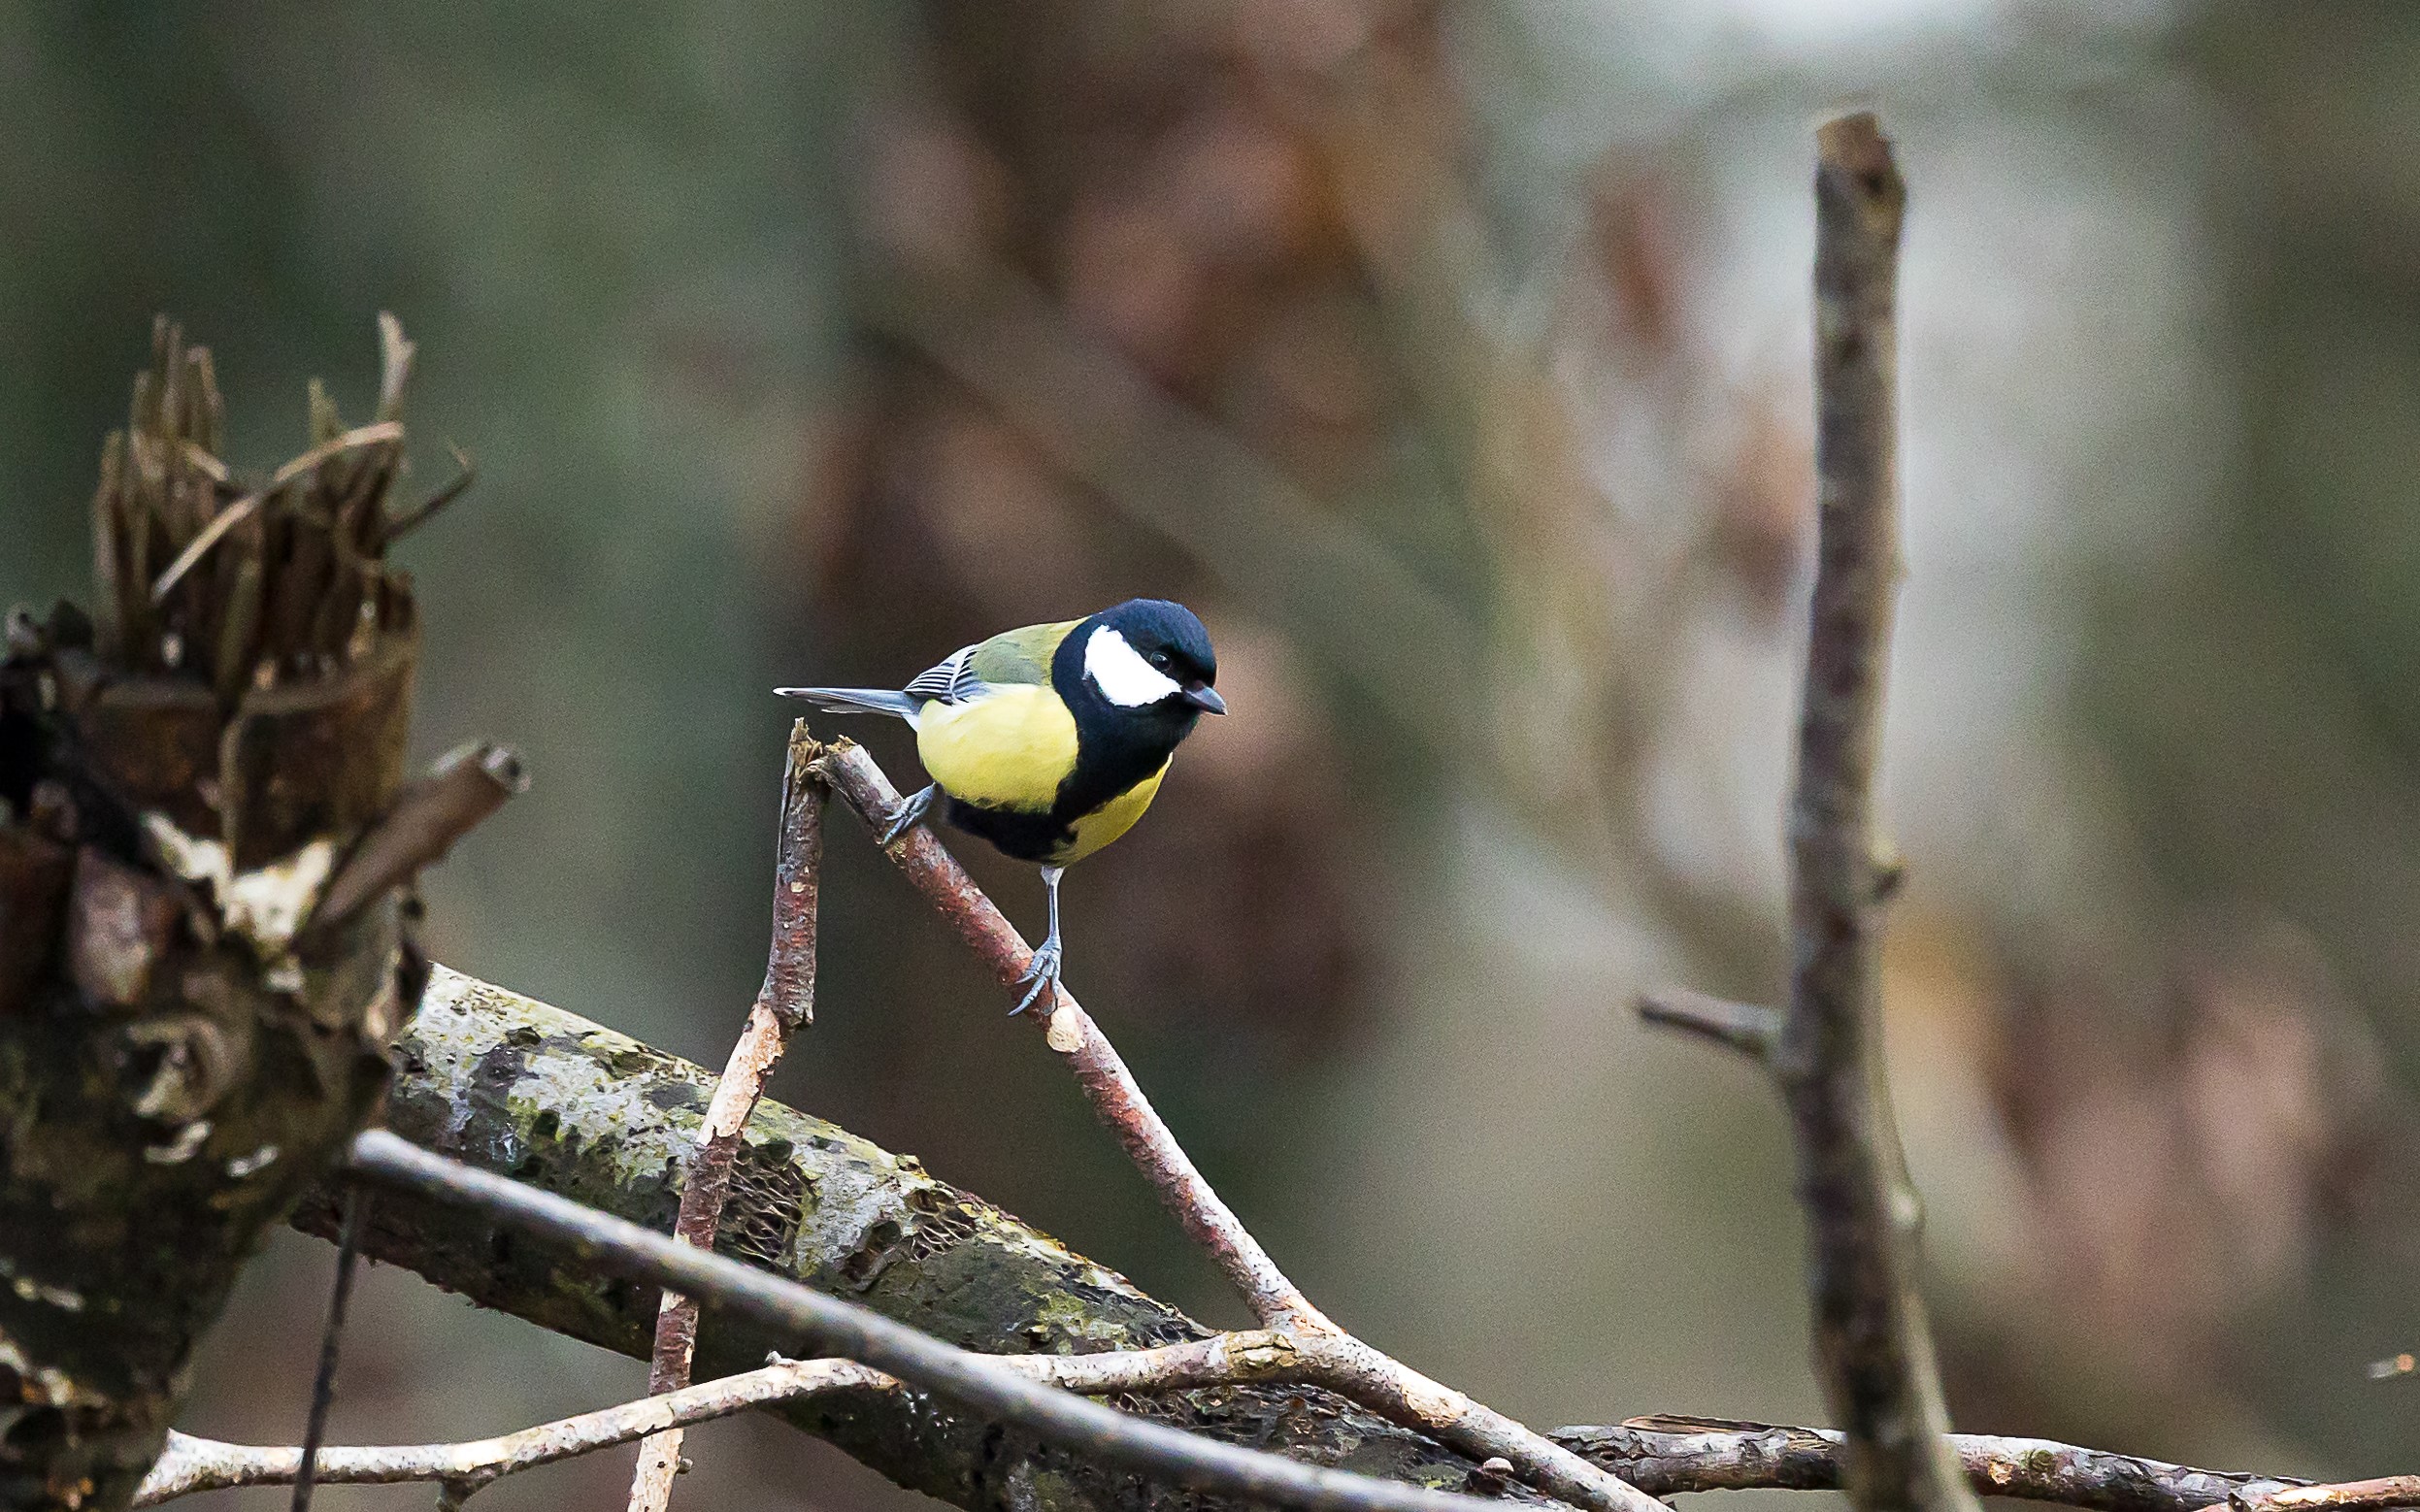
786 1000
1382 1384
1666 1455
845 1328
191 1464
2388 1490
194 1464
1751 1029
1874 1351
1116 1098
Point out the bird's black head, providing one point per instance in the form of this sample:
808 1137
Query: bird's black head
1149 653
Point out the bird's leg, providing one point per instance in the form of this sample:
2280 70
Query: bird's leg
1043 970
910 812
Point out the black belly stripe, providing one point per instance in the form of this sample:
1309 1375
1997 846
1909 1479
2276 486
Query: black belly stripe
1026 836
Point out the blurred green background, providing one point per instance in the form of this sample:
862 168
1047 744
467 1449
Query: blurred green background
1450 359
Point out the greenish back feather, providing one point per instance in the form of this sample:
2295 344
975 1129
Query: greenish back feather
1021 656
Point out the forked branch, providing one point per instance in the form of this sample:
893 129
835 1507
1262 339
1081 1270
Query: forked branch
460 1072
1115 1096
1375 1380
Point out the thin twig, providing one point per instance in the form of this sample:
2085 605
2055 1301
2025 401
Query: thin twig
847 1329
785 1001
1377 1381
1116 1098
1667 1456
323 1381
1874 1350
2387 1491
466 473
210 534
191 1464
1751 1029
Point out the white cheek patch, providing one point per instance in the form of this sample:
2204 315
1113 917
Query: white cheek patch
1121 673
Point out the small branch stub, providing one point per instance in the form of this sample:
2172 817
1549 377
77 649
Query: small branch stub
1751 1029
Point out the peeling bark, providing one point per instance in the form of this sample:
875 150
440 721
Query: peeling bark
182 1052
512 1085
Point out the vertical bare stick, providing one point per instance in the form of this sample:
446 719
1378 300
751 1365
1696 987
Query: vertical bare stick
323 1382
1874 1351
786 1000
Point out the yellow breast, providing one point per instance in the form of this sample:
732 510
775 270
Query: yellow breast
1110 820
1007 749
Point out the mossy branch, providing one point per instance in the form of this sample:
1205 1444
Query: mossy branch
511 1085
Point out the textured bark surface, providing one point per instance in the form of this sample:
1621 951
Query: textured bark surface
1872 1346
187 1040
512 1085
1671 1455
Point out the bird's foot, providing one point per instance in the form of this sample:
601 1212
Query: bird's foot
1043 972
909 814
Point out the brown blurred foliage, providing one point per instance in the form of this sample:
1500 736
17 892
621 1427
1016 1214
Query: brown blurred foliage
1450 360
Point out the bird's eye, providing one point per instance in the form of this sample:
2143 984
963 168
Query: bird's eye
1159 659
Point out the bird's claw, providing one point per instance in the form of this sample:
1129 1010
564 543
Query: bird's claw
1043 972
906 818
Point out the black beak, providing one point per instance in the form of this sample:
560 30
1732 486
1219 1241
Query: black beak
1206 700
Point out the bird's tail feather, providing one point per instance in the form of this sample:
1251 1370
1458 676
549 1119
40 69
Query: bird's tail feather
859 700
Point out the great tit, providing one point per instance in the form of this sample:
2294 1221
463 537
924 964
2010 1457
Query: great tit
1049 742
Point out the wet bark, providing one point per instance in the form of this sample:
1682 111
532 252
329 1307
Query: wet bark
188 1040
515 1086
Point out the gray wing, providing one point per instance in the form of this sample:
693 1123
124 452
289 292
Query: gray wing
953 680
